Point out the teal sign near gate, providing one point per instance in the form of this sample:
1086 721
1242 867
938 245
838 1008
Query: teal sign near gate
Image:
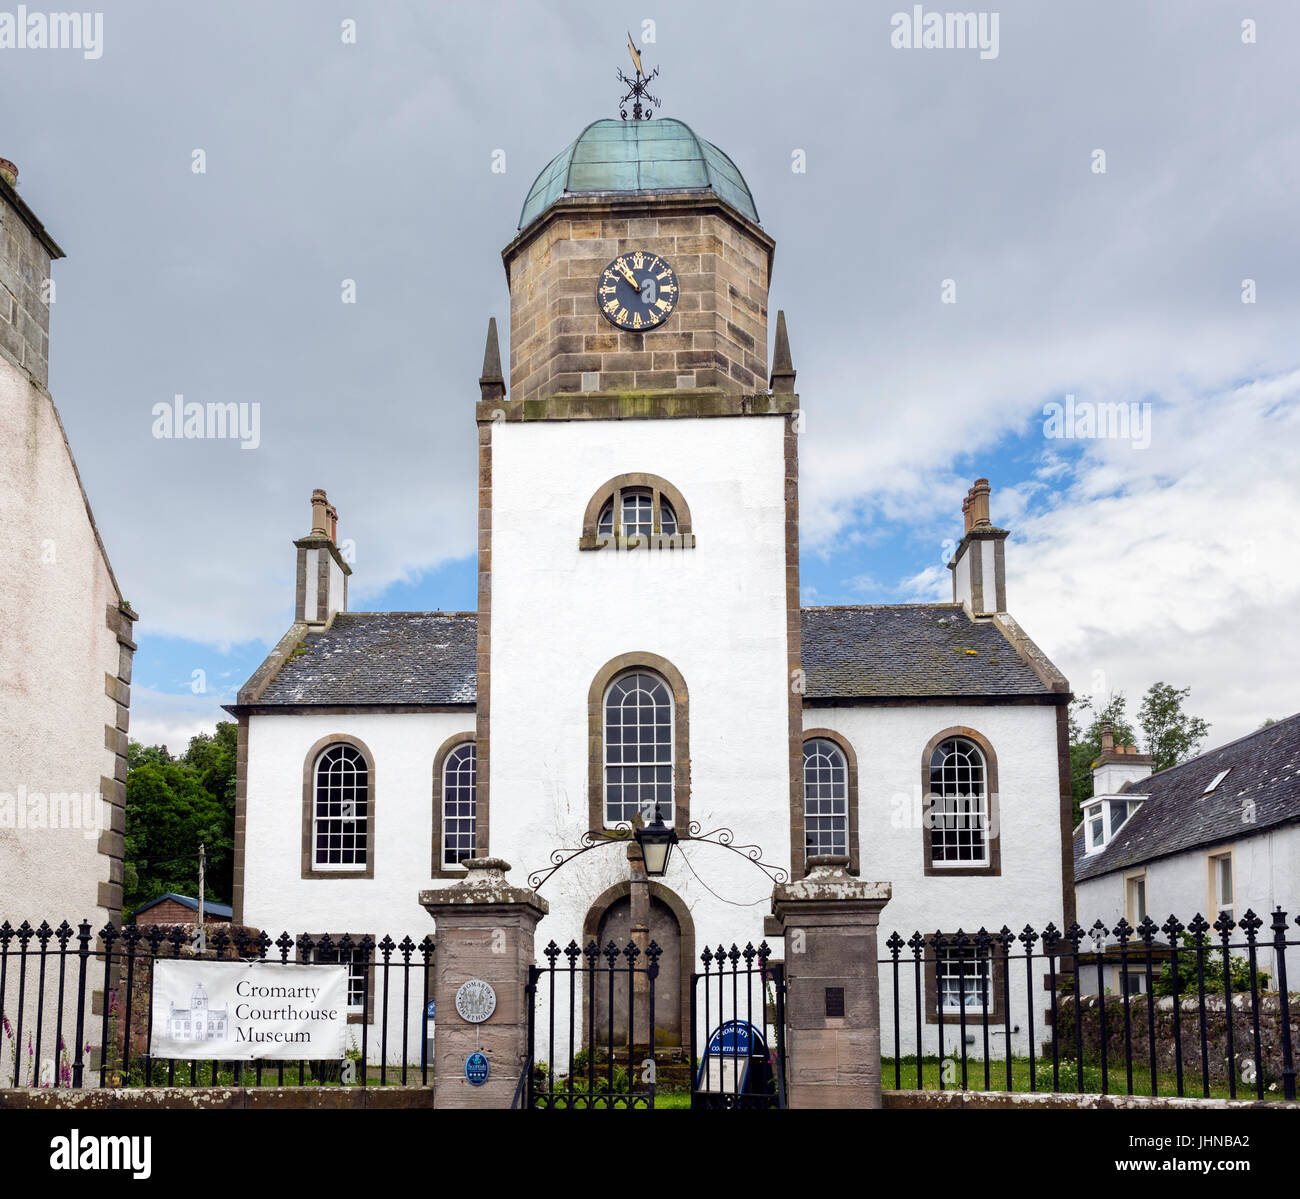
476 1068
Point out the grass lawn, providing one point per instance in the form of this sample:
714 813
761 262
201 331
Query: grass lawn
1116 1082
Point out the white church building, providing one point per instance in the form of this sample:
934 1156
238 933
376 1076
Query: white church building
639 641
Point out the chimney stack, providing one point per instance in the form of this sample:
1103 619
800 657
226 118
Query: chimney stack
979 565
322 589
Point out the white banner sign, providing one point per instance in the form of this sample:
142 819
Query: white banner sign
238 1010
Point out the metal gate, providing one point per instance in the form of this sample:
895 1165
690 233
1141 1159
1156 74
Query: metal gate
592 1044
736 1061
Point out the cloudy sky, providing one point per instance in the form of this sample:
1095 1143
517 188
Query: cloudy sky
1159 556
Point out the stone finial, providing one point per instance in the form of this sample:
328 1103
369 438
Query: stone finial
320 508
783 372
491 383
979 504
8 172
484 883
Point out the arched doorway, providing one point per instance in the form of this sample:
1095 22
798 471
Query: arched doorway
671 928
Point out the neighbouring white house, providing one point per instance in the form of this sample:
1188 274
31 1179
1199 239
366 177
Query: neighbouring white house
65 655
1219 833
639 644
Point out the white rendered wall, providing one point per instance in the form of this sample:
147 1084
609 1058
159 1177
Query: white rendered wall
1266 875
988 560
889 742
276 897
55 649
716 612
962 580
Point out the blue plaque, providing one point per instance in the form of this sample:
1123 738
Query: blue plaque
476 1068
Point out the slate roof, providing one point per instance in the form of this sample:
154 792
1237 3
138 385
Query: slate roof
1263 768
383 658
910 651
210 907
850 654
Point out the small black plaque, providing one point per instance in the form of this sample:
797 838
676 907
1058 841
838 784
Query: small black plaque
835 1001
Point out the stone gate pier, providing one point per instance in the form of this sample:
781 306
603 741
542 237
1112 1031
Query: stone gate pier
484 933
829 920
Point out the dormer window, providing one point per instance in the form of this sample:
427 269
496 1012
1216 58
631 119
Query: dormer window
637 511
1103 818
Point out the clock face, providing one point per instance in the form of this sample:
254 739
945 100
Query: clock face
637 291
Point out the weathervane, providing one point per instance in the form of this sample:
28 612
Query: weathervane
638 88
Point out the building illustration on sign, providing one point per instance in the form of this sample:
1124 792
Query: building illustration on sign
198 1022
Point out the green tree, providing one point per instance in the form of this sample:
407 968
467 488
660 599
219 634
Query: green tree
1171 735
1086 724
174 805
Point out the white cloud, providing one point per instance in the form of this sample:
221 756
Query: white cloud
159 718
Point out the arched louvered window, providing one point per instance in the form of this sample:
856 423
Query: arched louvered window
637 511
459 805
340 833
825 798
638 514
638 740
959 804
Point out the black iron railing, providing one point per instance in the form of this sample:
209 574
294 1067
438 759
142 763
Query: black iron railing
1163 1009
76 1007
600 1028
738 1029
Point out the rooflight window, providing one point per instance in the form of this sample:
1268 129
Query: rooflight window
1216 780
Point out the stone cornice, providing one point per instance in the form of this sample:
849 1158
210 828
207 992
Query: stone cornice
669 404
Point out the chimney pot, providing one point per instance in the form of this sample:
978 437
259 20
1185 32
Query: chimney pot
966 514
979 502
319 512
1107 739
9 171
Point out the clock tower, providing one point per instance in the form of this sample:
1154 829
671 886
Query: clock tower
586 318
638 511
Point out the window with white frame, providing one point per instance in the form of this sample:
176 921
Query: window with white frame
341 810
1094 820
459 804
638 748
825 798
960 804
1221 884
637 517
356 961
1135 899
964 979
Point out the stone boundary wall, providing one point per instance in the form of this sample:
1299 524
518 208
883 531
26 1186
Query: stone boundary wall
218 1098
995 1100
1216 1027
